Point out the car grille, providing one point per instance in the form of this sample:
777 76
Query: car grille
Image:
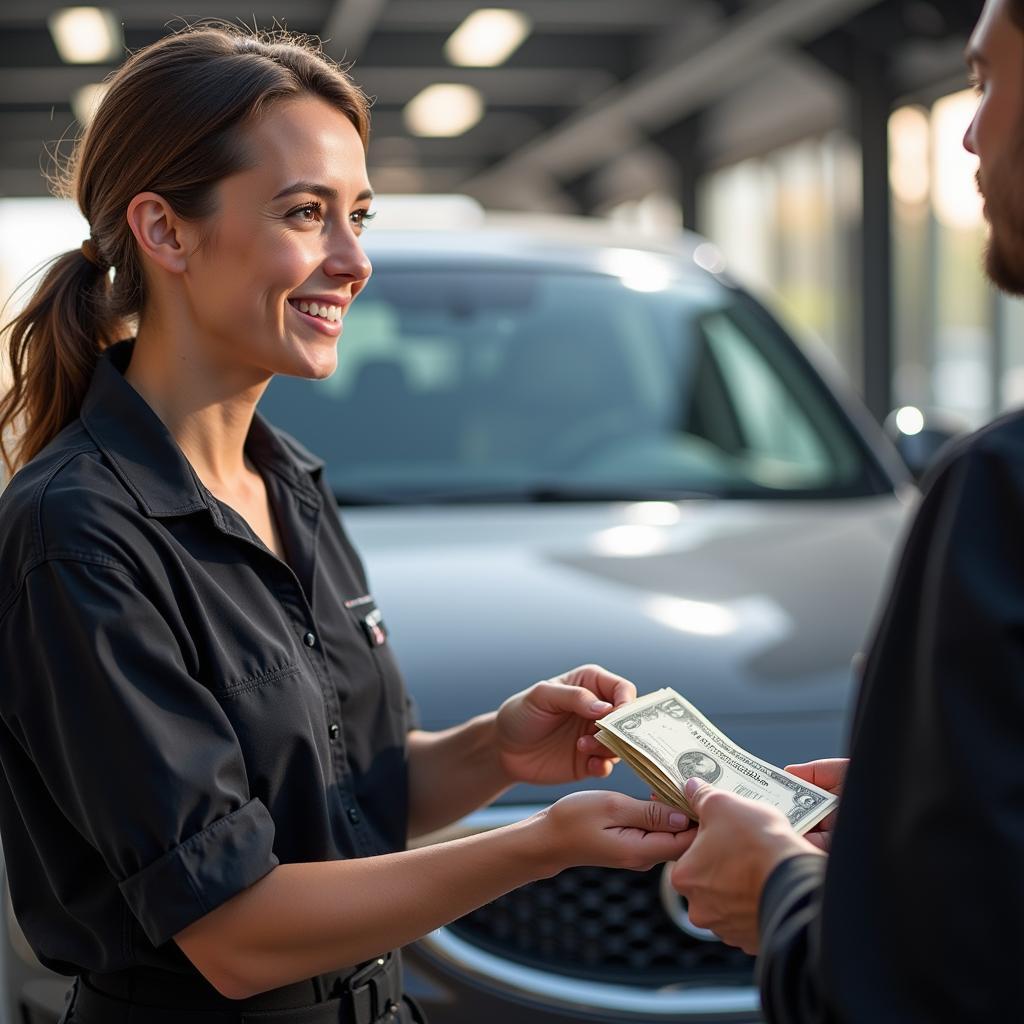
603 925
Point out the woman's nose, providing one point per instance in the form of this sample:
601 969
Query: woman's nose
348 259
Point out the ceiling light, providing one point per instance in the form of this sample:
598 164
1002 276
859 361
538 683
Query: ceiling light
85 100
444 110
86 35
487 37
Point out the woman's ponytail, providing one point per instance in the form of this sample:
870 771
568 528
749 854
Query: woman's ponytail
54 343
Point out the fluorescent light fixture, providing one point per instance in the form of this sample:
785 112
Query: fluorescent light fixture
85 100
444 110
487 38
86 35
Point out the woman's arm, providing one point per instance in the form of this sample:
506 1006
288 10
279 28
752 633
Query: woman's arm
452 773
543 735
301 920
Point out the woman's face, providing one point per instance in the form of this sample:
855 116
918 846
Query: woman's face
285 232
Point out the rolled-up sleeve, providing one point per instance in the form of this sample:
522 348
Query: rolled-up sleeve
136 753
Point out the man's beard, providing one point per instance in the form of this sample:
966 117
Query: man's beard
1004 257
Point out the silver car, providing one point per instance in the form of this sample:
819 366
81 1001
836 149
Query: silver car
554 446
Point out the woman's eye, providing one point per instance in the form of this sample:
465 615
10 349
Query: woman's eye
362 218
309 212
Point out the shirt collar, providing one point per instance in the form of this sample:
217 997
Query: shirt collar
149 462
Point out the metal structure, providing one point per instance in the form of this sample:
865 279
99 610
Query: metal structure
596 85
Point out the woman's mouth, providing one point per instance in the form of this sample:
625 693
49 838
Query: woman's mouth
325 318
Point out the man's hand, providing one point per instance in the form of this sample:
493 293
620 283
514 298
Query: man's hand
828 775
546 733
739 843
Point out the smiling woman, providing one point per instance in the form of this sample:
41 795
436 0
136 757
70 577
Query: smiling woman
183 155
209 780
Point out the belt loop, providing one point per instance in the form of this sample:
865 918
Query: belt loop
318 989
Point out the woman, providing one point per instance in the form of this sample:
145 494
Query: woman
203 735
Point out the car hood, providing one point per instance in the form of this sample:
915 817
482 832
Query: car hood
752 610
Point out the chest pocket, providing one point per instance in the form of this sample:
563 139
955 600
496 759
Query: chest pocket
369 621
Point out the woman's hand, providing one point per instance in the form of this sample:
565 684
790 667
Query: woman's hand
546 733
610 830
829 775
737 846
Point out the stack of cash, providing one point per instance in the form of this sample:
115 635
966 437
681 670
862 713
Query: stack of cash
666 741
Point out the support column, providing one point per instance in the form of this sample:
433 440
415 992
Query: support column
682 144
872 105
581 191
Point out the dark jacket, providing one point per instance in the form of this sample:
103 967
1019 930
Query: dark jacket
920 914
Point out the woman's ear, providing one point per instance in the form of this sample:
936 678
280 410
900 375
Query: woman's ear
161 234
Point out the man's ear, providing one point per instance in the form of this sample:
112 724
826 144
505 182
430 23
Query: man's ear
161 234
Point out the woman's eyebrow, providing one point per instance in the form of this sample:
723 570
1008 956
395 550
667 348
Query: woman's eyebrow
323 191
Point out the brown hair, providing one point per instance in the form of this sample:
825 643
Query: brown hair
171 123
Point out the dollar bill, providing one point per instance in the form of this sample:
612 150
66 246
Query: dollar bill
666 740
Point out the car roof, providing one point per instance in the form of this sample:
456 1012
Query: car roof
472 236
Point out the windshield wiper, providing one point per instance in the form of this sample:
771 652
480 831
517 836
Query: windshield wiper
608 492
535 494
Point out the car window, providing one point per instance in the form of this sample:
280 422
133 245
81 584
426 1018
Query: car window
764 424
460 383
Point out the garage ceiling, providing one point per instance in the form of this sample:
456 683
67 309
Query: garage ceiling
592 78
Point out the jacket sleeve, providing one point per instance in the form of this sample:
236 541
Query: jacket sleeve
788 969
133 751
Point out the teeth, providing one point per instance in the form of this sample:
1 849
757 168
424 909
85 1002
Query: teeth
330 313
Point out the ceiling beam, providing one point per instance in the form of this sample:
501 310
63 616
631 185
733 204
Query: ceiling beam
47 85
505 85
349 25
158 13
627 113
546 15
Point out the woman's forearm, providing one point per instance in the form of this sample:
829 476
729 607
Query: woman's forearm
301 920
452 773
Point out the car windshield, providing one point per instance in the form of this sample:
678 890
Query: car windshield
494 384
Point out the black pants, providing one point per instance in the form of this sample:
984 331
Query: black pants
371 995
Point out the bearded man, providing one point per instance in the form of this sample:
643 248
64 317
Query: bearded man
909 907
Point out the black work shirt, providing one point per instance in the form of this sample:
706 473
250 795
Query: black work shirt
180 710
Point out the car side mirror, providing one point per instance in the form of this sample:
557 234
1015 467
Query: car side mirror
919 435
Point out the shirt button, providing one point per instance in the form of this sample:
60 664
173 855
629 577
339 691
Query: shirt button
333 730
309 640
353 816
